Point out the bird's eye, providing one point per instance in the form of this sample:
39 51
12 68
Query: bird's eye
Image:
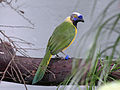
75 16
81 17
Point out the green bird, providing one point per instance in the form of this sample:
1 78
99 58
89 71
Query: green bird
62 37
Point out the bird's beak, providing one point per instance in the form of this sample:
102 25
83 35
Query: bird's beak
80 20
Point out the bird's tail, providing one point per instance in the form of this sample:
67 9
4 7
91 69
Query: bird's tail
42 67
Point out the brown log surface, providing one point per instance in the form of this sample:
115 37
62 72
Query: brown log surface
57 71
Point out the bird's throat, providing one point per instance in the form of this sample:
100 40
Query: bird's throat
75 24
68 19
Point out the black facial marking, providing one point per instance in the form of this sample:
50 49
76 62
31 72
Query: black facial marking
75 23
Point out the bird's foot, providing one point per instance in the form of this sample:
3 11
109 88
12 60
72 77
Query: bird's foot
67 57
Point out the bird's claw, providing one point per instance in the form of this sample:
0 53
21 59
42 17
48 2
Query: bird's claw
67 57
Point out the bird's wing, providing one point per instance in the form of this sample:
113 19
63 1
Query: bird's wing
61 37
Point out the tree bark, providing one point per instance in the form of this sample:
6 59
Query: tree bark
57 71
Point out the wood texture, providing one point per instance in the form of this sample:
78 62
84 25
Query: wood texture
57 71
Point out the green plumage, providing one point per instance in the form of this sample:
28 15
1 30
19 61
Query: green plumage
42 67
60 39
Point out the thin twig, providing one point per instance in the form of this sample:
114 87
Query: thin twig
7 68
31 48
21 41
24 68
20 75
52 73
10 26
8 39
13 78
1 72
19 13
17 75
14 44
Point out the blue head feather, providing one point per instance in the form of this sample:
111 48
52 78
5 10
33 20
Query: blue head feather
81 17
75 19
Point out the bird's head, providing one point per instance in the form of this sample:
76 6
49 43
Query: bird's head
75 18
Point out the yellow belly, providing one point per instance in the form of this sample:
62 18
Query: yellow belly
72 40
